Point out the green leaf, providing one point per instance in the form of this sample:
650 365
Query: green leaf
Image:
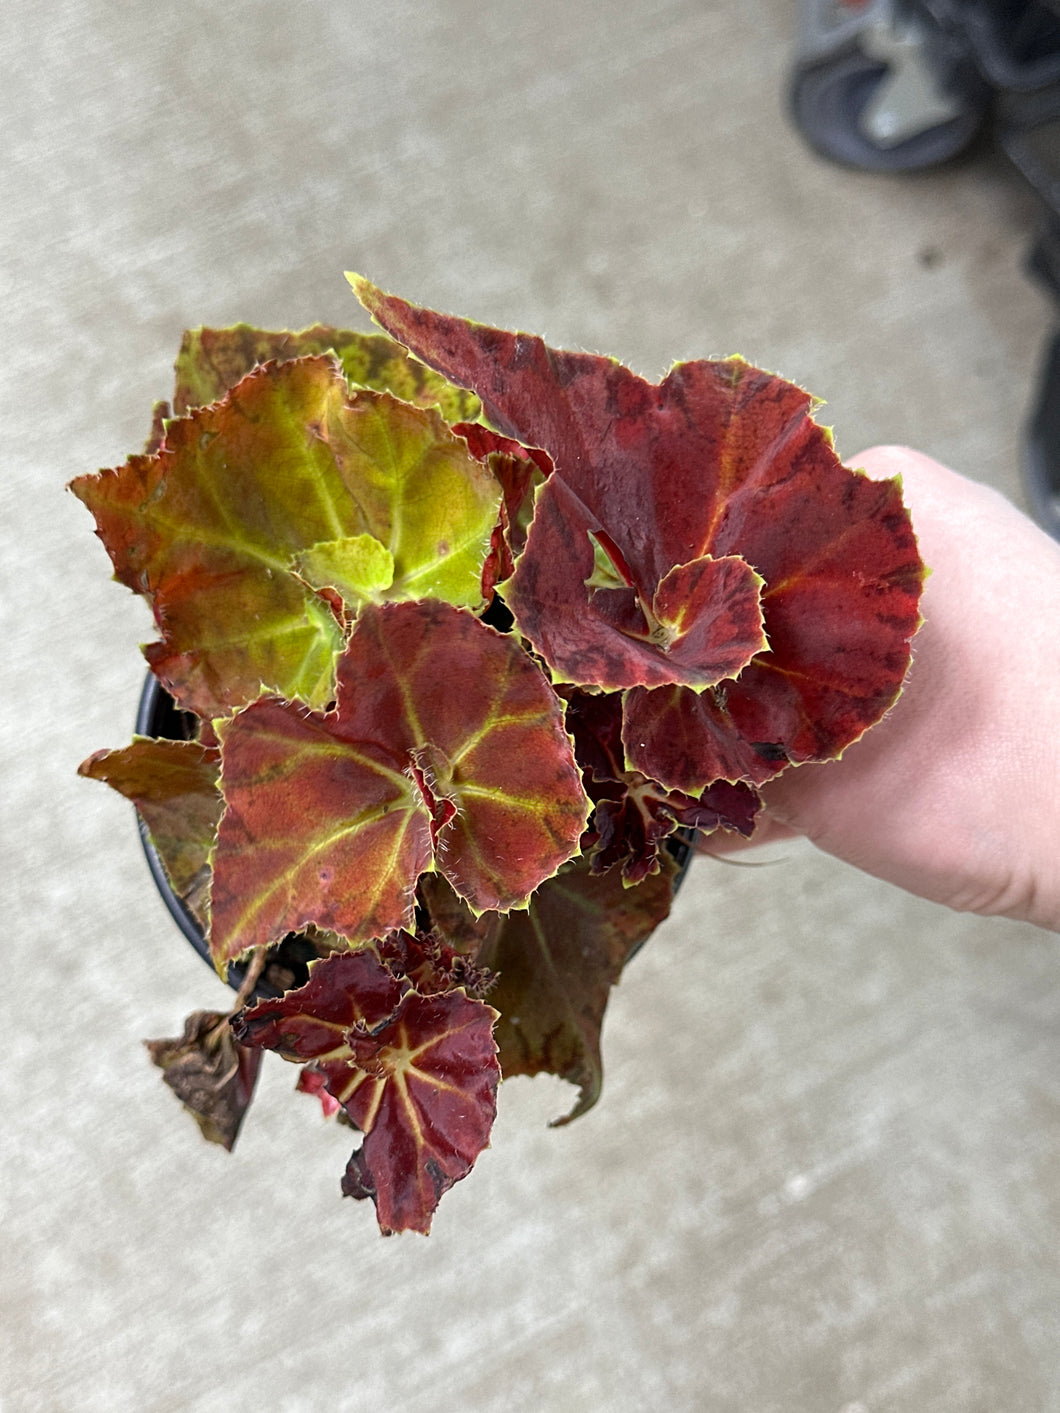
210 528
213 360
421 494
607 573
357 568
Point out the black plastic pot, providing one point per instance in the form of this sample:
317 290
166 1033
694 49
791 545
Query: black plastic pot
287 963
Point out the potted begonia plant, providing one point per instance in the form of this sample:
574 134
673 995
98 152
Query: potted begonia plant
457 631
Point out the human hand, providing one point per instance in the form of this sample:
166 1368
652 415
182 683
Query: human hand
955 795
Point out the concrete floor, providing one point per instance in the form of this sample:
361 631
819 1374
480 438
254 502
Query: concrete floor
823 1175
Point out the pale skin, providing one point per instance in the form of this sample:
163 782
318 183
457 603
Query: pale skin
955 795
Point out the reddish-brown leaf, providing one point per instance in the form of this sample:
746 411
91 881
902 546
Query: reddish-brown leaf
633 815
719 459
173 784
321 825
430 964
489 739
416 1074
698 623
556 964
520 470
447 750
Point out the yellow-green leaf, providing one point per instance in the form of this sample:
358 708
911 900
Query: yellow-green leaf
208 528
357 568
213 360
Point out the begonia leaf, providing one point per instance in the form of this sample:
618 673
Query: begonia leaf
685 738
430 964
520 470
701 622
447 751
610 570
422 495
160 415
213 360
210 1073
466 932
724 460
210 528
556 964
629 829
357 568
173 785
633 815
321 826
416 1074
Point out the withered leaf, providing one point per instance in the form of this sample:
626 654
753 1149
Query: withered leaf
211 1074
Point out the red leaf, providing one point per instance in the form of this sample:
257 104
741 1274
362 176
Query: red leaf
447 750
520 470
719 459
633 815
490 735
710 616
321 826
686 738
697 623
430 965
417 1074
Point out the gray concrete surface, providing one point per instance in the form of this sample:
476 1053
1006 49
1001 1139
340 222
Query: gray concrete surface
823 1176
